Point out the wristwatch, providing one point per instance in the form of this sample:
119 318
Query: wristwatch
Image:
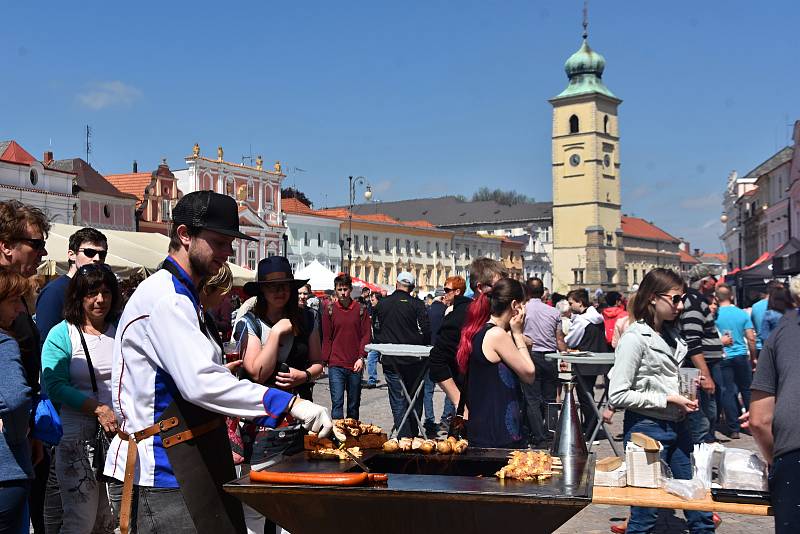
309 378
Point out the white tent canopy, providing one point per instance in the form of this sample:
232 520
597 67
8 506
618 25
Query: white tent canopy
320 278
128 253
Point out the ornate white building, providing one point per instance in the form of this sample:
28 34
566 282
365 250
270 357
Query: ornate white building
258 192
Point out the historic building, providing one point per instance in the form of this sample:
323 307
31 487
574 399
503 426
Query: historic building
101 205
24 178
646 247
528 223
256 189
587 234
156 194
311 236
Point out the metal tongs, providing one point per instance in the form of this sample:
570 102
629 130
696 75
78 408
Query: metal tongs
340 445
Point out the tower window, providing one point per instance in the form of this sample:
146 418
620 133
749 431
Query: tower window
573 124
605 124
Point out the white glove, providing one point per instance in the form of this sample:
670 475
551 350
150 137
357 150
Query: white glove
313 417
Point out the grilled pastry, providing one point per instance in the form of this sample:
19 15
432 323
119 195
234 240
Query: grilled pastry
428 446
460 446
416 443
444 447
527 465
391 446
452 439
405 444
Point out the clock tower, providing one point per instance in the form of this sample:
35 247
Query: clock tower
587 230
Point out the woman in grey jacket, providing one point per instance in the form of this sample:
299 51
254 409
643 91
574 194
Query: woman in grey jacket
16 470
644 381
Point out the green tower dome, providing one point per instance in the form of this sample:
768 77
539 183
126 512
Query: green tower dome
585 69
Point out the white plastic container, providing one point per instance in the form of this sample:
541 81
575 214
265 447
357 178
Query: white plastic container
644 468
618 478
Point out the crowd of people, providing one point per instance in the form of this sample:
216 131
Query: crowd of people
100 391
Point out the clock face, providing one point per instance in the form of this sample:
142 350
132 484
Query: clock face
607 160
574 160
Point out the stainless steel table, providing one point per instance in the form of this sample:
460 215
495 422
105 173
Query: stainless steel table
591 358
421 352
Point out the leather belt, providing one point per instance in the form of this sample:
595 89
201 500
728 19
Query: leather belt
132 457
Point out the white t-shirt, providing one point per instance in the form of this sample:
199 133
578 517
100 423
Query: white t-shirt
101 349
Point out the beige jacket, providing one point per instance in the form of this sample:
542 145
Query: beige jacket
646 370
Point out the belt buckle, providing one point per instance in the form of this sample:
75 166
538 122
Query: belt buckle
161 426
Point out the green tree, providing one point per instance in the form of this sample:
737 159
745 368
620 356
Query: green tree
506 198
291 192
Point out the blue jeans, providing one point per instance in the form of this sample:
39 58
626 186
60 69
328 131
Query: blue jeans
372 367
14 517
430 415
154 510
408 375
703 422
341 379
677 442
736 374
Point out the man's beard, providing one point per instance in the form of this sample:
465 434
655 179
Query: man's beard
200 267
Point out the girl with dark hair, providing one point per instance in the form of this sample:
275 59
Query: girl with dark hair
645 382
780 301
493 355
16 469
76 370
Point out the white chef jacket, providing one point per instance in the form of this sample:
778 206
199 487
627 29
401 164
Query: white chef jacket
160 352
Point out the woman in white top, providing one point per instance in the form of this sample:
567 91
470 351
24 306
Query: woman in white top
645 382
79 384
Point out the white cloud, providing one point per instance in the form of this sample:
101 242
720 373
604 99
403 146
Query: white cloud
709 201
382 186
104 95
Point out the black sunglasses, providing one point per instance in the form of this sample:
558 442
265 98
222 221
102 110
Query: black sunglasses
37 244
92 252
448 290
675 299
94 267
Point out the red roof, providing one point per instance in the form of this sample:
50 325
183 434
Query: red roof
133 183
636 227
292 205
343 213
685 257
721 256
14 153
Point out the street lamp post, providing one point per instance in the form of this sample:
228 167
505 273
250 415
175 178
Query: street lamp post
453 253
352 199
285 235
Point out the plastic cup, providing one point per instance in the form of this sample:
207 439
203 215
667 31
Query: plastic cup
688 382
231 350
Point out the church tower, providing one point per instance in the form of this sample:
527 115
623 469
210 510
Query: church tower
587 230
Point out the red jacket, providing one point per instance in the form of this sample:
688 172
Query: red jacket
610 317
345 332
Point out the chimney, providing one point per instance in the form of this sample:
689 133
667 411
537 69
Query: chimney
697 252
135 166
48 158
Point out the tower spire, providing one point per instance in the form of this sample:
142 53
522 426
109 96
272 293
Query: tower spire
585 19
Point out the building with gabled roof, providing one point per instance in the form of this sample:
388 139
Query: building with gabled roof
24 178
156 193
646 247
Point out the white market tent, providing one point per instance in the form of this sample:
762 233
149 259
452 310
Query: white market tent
129 253
320 278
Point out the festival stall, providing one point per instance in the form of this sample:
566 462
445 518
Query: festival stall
320 278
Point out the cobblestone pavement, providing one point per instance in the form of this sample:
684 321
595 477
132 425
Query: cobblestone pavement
594 519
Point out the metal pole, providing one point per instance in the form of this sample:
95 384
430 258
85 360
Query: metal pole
351 191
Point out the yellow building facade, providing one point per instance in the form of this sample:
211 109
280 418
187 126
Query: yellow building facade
587 233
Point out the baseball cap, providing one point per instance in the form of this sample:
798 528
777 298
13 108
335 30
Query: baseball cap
210 211
406 278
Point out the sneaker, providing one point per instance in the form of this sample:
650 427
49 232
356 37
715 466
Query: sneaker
370 385
734 435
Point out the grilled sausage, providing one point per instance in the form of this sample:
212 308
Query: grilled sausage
316 479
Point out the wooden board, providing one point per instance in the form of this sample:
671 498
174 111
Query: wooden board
658 498
364 441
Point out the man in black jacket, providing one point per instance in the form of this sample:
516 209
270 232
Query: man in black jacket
402 319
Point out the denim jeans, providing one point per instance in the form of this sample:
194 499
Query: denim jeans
784 475
736 374
154 510
341 379
372 367
430 414
538 395
677 453
408 374
14 505
703 422
82 494
53 511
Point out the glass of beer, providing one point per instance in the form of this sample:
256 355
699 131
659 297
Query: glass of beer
231 351
688 382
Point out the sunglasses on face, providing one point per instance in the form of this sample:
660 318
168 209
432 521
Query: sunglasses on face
37 244
94 267
92 252
448 290
674 299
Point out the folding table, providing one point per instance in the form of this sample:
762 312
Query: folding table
591 358
408 351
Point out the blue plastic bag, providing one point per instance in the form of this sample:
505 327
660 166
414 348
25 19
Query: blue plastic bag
46 422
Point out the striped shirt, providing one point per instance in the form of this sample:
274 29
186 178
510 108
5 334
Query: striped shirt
698 327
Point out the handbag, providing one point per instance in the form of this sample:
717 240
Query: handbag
101 441
47 426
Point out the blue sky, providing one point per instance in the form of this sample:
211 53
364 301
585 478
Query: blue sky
423 98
